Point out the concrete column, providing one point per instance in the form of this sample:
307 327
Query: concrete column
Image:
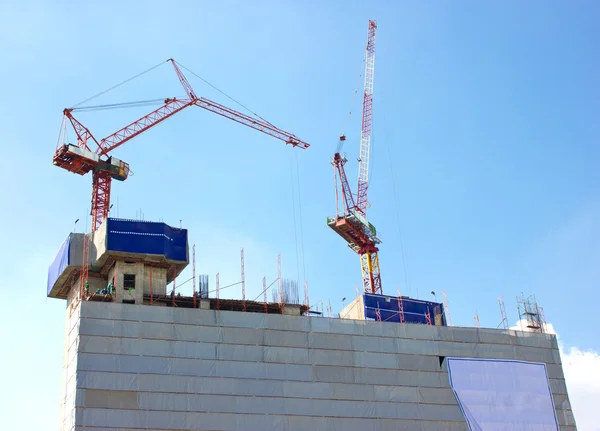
136 294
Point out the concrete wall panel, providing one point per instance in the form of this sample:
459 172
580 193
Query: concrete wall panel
373 344
166 369
286 339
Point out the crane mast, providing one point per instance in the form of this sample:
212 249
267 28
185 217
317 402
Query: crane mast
367 121
351 222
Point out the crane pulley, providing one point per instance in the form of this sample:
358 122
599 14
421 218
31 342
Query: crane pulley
92 155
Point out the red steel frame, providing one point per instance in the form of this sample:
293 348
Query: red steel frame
101 180
338 164
355 232
400 308
243 283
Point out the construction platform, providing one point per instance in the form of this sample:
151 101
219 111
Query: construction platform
401 309
135 256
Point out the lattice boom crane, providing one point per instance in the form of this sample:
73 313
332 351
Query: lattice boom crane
350 222
367 121
91 155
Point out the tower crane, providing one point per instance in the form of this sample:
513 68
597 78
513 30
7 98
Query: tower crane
350 221
93 155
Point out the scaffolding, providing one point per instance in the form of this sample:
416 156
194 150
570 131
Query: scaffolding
530 314
504 321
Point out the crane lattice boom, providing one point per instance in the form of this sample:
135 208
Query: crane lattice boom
367 120
81 158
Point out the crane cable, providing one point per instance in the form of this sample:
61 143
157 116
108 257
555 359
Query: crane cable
120 105
62 132
295 224
301 225
300 256
354 96
266 288
118 85
143 103
224 94
402 249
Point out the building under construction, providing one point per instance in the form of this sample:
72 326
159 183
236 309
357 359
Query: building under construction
140 358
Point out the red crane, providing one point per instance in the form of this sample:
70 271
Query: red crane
351 221
92 155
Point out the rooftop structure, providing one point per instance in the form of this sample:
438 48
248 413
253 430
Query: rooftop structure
401 309
140 357
135 257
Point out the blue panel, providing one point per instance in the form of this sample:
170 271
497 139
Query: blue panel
146 238
414 309
60 262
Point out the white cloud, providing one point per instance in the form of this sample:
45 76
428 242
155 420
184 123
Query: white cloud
582 375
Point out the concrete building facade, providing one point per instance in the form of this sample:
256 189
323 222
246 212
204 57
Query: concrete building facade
138 367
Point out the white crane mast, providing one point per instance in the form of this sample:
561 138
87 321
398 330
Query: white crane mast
367 120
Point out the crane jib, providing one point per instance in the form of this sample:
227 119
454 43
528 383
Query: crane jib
81 159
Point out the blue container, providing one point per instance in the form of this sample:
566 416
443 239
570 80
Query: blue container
415 310
144 237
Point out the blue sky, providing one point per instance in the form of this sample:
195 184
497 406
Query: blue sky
488 111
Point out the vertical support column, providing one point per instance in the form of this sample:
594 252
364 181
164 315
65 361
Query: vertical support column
151 286
174 286
306 300
378 313
217 283
83 274
504 322
73 300
542 319
243 283
194 273
265 294
400 307
279 283
428 317
113 291
101 182
476 320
